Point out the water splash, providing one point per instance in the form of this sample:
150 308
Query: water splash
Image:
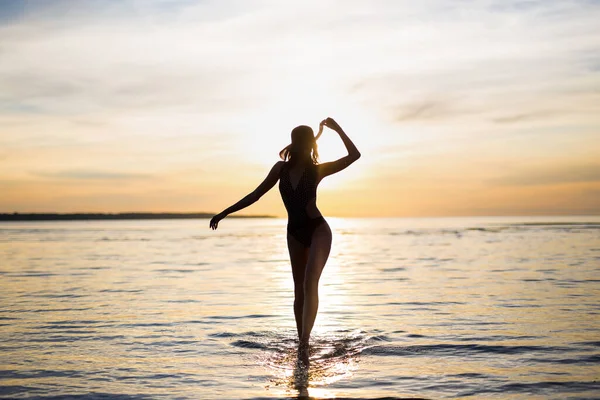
333 356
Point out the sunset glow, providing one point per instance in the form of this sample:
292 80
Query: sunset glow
489 108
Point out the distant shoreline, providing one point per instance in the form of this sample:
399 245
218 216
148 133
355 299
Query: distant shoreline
112 216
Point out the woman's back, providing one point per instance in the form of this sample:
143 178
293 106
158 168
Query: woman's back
299 194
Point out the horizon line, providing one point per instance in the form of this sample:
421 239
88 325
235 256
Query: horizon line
64 216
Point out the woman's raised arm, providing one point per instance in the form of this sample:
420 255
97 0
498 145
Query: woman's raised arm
338 165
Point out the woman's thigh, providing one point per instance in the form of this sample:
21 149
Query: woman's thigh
319 252
299 259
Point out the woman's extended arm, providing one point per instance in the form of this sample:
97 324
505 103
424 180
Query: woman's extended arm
263 188
338 165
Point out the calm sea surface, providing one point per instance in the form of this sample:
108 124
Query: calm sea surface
504 308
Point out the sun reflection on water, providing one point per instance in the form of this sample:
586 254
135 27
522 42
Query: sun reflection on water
333 357
429 308
334 349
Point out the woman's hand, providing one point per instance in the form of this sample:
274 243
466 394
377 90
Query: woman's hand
214 221
331 124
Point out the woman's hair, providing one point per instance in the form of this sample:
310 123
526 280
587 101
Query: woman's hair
303 142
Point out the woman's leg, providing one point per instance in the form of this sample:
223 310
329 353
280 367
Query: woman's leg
319 252
299 259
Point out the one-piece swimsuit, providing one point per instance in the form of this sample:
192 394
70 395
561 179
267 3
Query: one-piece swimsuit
300 225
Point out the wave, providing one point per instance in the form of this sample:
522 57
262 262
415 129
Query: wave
536 388
499 229
459 350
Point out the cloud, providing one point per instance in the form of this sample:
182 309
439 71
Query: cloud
498 59
77 174
72 57
432 110
510 119
93 58
424 110
551 175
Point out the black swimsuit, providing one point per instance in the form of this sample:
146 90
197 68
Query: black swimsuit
300 225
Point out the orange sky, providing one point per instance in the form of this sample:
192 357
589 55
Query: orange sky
183 106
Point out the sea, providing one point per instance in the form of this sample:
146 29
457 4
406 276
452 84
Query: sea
422 308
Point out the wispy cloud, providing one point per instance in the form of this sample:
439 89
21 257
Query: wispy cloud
552 175
433 110
516 118
86 175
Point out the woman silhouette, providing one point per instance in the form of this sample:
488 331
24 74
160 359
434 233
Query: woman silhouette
308 234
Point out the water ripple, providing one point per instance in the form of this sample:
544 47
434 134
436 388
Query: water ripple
421 308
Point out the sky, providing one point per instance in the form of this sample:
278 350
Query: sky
459 108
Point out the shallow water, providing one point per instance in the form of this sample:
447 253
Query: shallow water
418 308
